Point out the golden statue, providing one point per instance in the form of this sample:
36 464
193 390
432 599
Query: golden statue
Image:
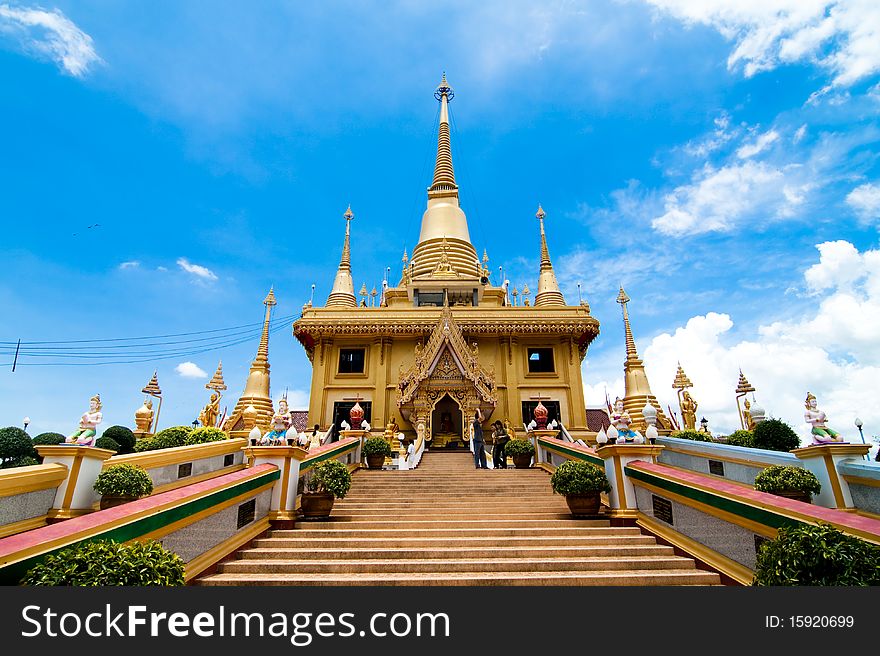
143 417
508 428
208 415
689 411
747 416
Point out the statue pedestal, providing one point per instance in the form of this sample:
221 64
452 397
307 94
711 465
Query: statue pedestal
622 498
75 495
142 435
822 460
282 507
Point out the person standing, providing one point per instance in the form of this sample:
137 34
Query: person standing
479 442
500 438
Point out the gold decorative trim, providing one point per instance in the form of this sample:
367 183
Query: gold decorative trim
214 555
621 484
832 449
737 571
164 457
858 480
723 458
22 526
72 481
68 513
21 480
61 450
839 501
282 515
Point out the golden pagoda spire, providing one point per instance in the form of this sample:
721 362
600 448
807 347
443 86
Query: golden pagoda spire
444 217
444 175
637 389
681 381
256 389
548 288
743 387
342 294
152 387
216 383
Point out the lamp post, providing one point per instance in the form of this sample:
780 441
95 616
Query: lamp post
859 425
195 423
704 425
27 420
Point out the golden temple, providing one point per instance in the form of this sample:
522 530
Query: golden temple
445 341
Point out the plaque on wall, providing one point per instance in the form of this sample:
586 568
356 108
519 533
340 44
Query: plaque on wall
246 513
662 508
716 467
184 470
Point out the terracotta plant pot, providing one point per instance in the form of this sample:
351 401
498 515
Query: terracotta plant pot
583 505
522 461
797 495
316 505
375 462
111 501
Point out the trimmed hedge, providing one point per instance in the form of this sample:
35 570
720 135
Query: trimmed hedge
124 480
205 435
123 436
695 435
330 476
103 563
49 439
108 443
377 446
775 435
14 445
578 477
519 447
168 438
741 438
817 555
779 478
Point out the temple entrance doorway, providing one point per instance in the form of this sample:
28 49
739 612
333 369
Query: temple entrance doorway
446 424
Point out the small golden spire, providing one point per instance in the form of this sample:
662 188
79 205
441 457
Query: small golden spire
548 288
631 353
444 175
743 386
681 380
363 291
342 294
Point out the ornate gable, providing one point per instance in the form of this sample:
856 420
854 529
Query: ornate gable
447 356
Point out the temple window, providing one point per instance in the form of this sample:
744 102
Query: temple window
541 361
528 410
351 361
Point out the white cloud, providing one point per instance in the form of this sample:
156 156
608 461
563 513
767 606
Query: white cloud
718 198
50 34
799 135
750 150
190 370
865 200
840 37
197 270
833 350
132 264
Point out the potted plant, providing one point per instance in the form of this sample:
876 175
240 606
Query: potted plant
521 451
330 480
375 450
581 483
120 484
789 482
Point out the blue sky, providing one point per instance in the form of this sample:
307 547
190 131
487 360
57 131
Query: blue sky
717 159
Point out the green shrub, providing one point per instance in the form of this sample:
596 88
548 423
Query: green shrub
124 480
14 444
780 479
205 435
168 438
123 436
817 555
331 476
108 443
24 461
578 477
50 439
775 435
104 563
695 435
741 438
376 446
519 447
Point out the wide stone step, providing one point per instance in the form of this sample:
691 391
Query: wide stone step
627 551
507 513
592 578
333 523
445 566
341 531
548 541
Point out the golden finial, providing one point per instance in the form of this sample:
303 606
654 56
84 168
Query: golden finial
216 383
525 290
681 380
270 297
744 386
152 387
485 256
363 291
405 257
540 214
349 215
622 298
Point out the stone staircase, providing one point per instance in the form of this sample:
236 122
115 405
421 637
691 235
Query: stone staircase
446 523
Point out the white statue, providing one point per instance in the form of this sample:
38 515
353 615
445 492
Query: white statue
621 421
281 422
822 434
88 424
